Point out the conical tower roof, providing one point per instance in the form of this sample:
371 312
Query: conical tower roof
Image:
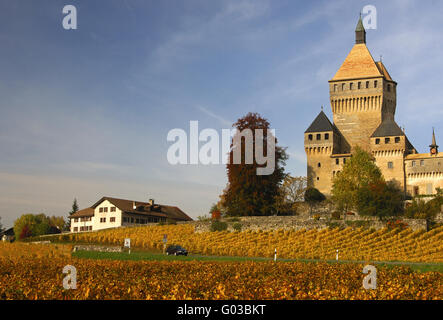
321 124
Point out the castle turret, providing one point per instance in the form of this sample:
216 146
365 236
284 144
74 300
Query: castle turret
434 146
322 140
360 32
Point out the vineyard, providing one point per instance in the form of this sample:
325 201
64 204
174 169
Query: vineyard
357 244
34 271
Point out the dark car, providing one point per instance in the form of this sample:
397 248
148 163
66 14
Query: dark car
176 251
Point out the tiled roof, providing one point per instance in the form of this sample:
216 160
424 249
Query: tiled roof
358 64
145 208
388 128
383 70
88 212
321 124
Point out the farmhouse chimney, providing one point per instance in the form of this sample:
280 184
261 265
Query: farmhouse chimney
151 202
133 205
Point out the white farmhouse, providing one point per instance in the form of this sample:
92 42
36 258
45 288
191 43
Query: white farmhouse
112 212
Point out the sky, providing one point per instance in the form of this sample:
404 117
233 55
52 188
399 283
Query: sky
85 113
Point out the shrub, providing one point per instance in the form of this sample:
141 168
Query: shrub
217 225
396 224
335 215
170 221
237 226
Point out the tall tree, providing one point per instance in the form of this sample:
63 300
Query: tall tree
249 193
74 209
360 171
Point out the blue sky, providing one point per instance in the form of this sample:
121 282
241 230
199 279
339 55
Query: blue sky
85 113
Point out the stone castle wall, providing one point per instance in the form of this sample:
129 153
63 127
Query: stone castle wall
255 223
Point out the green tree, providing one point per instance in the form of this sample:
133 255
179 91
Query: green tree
58 222
249 193
420 209
380 199
359 171
74 209
313 197
34 225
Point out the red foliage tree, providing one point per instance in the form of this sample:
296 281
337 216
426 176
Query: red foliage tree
26 232
248 193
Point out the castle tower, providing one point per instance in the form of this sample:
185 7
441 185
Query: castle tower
322 141
362 95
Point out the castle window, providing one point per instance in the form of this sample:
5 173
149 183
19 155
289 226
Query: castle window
318 178
375 83
377 141
413 163
344 160
359 85
387 140
326 136
319 165
351 85
422 163
367 84
318 136
416 191
397 139
342 87
335 87
390 165
389 88
310 137
337 161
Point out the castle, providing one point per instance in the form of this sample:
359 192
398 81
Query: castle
363 99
